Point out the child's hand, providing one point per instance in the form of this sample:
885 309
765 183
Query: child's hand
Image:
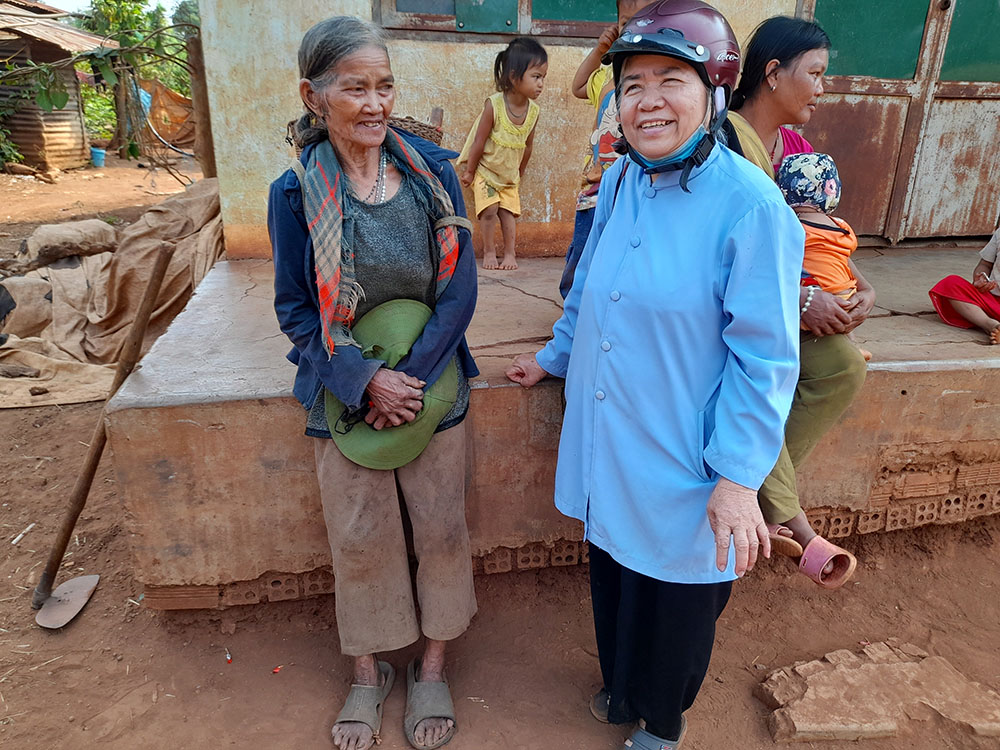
982 282
467 177
608 37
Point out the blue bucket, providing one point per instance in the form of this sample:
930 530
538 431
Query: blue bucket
97 156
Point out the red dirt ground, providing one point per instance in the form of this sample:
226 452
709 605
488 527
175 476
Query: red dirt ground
119 193
121 676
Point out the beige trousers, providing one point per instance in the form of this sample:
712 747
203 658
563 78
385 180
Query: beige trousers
374 592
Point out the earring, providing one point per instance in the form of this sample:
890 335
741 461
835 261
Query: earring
773 87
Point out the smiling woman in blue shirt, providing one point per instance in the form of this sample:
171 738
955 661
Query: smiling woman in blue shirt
679 346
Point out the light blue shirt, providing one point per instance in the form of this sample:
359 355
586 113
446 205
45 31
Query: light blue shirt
679 344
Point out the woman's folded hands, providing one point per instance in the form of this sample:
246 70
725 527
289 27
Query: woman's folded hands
394 398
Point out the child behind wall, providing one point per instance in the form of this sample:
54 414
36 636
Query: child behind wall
498 147
811 186
595 83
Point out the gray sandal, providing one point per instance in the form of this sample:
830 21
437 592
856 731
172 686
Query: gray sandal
426 700
364 702
600 704
643 740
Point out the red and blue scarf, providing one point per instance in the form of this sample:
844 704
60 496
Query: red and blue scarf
323 192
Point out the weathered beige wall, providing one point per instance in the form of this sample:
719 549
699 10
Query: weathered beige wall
427 78
250 48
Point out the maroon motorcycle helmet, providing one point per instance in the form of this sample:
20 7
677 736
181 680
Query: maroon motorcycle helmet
698 34
688 30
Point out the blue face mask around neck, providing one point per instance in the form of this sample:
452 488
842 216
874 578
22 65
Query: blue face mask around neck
677 158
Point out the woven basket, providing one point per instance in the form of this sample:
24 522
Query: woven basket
423 129
409 124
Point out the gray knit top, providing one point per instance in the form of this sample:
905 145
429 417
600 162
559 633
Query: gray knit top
395 257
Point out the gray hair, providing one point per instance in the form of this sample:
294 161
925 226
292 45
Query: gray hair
321 50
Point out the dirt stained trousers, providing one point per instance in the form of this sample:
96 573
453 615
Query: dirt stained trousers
831 372
373 589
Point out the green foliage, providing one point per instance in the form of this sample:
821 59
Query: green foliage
163 55
121 20
187 12
8 151
98 111
42 82
9 103
149 48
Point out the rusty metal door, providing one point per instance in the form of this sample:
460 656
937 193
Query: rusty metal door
911 114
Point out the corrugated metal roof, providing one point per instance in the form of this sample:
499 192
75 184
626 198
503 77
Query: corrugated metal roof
34 7
46 139
15 20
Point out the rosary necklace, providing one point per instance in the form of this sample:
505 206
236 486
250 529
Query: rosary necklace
379 187
775 146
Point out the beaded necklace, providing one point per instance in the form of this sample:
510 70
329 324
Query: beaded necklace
378 189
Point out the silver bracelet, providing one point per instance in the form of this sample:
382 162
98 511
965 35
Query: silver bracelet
809 299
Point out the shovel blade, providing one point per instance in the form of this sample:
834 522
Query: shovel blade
66 601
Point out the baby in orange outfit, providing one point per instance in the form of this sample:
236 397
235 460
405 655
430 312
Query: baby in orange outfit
811 186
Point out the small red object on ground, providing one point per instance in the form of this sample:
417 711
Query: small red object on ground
277 669
229 657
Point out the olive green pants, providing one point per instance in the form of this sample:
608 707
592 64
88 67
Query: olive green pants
831 372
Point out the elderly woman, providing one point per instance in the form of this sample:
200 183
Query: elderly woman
781 84
679 345
372 219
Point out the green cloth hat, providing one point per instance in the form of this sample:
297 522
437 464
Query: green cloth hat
387 332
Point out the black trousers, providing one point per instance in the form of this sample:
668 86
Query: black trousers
654 640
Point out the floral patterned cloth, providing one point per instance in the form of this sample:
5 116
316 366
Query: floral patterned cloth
810 180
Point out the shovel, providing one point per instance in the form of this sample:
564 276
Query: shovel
56 608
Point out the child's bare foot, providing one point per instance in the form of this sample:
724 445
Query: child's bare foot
995 335
490 261
792 537
782 541
509 263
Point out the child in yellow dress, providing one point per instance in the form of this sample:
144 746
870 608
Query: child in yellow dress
498 147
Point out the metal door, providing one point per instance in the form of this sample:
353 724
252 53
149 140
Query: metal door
915 140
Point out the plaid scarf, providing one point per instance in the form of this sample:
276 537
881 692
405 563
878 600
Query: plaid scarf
323 193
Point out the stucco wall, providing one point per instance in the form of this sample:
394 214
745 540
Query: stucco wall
250 48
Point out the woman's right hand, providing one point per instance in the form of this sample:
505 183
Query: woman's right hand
395 398
525 370
735 517
827 313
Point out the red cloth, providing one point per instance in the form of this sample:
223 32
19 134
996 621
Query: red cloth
955 287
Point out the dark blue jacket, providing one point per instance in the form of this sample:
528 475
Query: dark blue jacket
296 301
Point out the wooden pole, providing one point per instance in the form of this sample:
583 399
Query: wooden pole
204 146
78 499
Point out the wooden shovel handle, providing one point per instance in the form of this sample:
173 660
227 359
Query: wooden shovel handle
127 360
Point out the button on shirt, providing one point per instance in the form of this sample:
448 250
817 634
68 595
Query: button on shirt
679 345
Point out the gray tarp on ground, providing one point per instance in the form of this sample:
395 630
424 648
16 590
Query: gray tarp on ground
93 301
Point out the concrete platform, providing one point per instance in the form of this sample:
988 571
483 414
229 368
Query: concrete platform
218 480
